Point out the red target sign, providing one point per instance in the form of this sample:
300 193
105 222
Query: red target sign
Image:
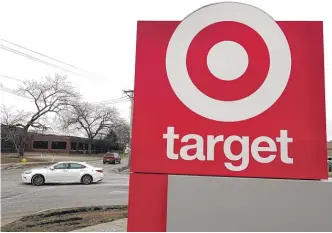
230 94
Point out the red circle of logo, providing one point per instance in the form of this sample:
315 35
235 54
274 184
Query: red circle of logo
245 85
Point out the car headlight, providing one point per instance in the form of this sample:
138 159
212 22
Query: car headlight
27 172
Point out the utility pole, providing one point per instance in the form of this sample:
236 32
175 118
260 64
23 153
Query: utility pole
130 94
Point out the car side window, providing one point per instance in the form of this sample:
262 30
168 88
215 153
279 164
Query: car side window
76 166
61 166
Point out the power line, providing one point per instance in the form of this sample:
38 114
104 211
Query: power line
36 59
106 102
112 102
20 46
117 102
121 99
16 79
51 58
8 90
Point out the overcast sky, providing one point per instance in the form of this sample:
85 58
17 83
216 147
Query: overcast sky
100 37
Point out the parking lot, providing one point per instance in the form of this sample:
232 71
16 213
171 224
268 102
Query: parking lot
19 199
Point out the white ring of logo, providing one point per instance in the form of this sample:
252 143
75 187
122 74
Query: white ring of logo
238 110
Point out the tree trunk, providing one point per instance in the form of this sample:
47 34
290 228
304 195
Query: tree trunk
89 146
21 147
22 140
16 146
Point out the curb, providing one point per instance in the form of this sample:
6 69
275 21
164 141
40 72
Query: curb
120 169
21 166
113 226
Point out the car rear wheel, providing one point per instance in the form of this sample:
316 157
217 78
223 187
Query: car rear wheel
37 180
86 179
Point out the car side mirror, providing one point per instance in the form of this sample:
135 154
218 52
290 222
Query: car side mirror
51 168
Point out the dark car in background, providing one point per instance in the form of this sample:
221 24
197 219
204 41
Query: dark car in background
111 157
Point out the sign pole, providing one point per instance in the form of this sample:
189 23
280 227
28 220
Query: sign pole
130 94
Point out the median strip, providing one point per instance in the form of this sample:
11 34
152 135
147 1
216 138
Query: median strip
68 219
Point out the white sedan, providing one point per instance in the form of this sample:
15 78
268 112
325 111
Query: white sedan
64 172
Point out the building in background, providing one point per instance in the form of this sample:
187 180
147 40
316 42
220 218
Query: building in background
49 143
329 148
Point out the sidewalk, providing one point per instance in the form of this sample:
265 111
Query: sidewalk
115 226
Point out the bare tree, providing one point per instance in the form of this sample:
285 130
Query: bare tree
9 119
91 119
51 95
11 129
10 134
12 117
122 130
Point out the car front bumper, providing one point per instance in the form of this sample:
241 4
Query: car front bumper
26 178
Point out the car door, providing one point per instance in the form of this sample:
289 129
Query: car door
58 173
75 171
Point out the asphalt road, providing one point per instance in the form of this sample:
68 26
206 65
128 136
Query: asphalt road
19 199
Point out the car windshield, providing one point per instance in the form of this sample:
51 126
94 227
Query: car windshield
50 166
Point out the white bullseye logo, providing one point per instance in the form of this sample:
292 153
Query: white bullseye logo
228 60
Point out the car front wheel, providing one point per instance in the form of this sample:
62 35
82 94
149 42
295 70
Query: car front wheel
86 179
38 180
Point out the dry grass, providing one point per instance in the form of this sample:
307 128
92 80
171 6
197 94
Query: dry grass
16 159
66 220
